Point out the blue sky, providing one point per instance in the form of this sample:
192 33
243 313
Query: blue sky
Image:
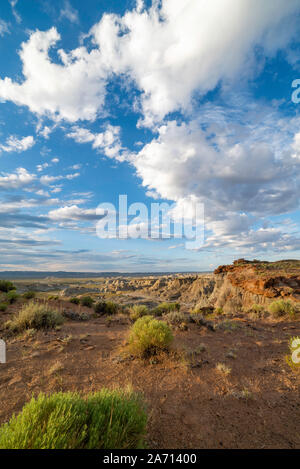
165 101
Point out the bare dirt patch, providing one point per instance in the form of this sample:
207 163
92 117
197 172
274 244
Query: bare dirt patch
191 403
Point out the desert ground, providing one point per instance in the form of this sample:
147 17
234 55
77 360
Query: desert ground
225 382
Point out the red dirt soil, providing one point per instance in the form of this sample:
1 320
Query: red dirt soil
190 403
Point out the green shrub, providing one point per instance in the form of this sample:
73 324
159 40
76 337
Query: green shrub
281 308
6 286
29 295
106 307
12 296
87 301
148 336
175 318
75 301
137 311
53 297
35 316
165 308
219 311
108 419
3 307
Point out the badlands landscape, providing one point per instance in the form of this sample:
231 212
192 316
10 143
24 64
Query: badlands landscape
223 380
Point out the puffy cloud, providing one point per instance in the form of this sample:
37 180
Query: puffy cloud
183 162
169 51
19 179
72 90
14 144
108 141
176 47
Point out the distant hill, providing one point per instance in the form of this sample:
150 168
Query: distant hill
15 274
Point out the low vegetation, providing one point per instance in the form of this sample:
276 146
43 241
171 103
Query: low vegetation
228 326
281 308
75 301
3 307
138 311
87 301
6 286
175 318
108 419
165 308
35 316
224 369
29 295
11 297
148 336
106 307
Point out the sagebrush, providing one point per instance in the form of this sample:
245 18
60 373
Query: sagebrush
138 311
148 336
108 419
281 308
35 316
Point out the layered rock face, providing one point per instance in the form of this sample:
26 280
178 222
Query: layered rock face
234 287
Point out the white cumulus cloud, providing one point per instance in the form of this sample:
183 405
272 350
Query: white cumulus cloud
14 144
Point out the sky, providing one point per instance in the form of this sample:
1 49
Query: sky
180 102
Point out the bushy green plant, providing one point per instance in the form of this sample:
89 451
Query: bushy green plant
12 296
257 308
108 419
6 286
75 301
3 307
165 308
137 311
35 316
29 295
106 307
219 311
281 308
148 336
87 301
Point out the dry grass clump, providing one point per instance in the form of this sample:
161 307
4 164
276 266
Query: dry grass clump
35 316
138 311
228 326
282 308
148 336
57 367
165 308
224 369
175 318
